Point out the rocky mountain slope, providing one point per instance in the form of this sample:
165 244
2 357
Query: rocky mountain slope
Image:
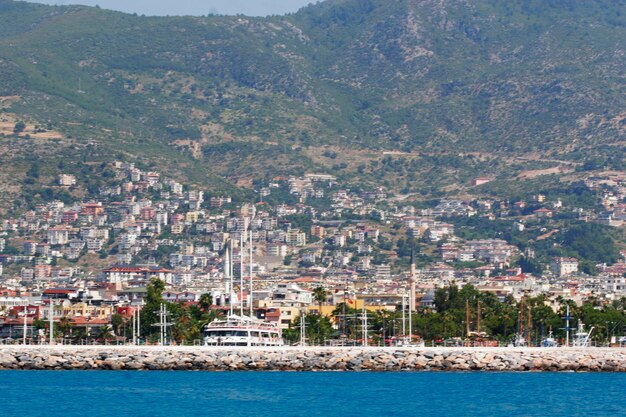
415 95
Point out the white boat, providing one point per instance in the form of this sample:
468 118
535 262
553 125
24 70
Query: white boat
408 341
518 341
581 337
549 341
241 331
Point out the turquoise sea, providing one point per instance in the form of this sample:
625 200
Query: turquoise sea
283 394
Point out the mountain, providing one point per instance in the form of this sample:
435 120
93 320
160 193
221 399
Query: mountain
415 95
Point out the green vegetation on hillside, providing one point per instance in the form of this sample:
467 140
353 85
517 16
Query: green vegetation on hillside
243 98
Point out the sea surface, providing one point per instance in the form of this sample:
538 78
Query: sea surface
283 394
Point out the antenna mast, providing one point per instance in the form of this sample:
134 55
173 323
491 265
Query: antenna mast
163 324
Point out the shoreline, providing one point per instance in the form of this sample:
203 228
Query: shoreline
200 358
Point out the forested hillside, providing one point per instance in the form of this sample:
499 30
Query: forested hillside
417 96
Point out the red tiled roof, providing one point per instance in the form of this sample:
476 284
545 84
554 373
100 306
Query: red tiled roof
58 291
80 320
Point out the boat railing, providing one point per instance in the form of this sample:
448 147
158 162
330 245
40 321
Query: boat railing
232 325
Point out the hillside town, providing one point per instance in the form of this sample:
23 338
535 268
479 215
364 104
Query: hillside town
88 265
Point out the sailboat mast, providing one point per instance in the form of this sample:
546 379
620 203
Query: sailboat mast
133 322
250 269
403 316
25 326
228 279
241 272
364 323
467 318
478 318
529 324
230 276
521 317
51 321
229 268
567 326
413 279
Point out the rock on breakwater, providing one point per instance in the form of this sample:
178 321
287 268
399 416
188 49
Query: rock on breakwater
311 359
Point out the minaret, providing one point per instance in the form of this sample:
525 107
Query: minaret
413 279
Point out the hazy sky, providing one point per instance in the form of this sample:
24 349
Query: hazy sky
193 7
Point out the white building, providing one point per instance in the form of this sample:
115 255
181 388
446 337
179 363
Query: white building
295 237
614 283
58 236
66 180
383 271
276 249
562 267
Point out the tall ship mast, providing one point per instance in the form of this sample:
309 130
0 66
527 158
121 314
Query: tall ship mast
241 330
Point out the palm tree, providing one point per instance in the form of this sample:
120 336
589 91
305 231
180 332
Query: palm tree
318 328
64 326
319 295
448 325
382 321
78 334
105 333
117 322
206 301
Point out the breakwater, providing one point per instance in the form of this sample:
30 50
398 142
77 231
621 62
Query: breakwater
311 359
